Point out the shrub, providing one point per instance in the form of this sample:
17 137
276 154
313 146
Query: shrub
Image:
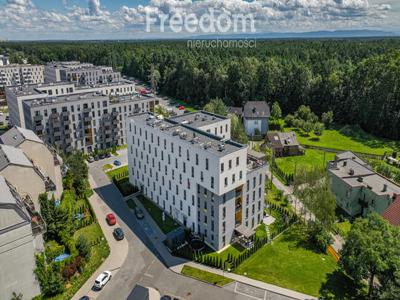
318 237
53 249
82 245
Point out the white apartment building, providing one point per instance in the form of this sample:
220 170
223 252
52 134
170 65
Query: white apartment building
79 73
16 75
205 181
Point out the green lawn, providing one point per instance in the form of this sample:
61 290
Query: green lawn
289 264
311 158
205 276
156 213
117 171
107 167
347 138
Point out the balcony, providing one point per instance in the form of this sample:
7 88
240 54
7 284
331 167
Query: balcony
87 119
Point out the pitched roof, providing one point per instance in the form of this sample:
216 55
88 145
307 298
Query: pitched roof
392 213
11 155
17 135
235 110
256 109
282 139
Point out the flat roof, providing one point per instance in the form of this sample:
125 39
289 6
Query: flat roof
191 135
198 119
356 173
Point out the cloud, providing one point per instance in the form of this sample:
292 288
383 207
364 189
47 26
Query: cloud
270 15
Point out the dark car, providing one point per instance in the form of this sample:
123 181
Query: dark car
96 158
139 213
118 234
102 156
108 154
84 298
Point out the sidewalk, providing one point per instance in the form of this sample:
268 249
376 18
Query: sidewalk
118 249
248 281
176 264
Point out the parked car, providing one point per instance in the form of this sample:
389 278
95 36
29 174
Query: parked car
139 213
102 156
96 158
181 107
90 159
84 298
102 279
117 162
118 234
108 154
111 219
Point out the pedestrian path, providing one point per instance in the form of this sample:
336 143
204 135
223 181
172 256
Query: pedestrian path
176 264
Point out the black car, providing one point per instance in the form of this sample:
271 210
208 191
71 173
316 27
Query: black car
108 154
118 234
139 213
102 156
84 298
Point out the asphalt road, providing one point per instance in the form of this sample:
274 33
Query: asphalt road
143 264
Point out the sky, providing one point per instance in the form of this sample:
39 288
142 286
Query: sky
141 19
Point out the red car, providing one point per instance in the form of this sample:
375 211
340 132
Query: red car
111 220
181 107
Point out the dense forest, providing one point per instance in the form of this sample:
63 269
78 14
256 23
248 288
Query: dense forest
359 80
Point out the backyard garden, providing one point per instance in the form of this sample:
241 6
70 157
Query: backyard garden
74 242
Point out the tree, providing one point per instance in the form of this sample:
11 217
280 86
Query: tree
319 128
237 130
77 173
371 250
154 78
159 110
319 237
276 112
49 277
216 106
327 118
83 247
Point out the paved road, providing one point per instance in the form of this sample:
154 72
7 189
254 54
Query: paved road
143 264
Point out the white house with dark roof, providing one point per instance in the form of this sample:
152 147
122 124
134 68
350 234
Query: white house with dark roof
255 117
20 238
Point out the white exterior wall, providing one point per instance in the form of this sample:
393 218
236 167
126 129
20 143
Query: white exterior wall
251 125
221 128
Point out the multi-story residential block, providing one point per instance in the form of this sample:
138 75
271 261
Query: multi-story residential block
206 182
77 117
16 75
21 229
358 189
80 73
4 60
45 159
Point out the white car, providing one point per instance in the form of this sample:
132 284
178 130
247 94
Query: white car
102 279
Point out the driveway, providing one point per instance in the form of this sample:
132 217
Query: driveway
142 264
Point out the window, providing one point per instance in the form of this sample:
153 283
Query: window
230 164
197 159
226 181
222 167
207 164
237 161
212 182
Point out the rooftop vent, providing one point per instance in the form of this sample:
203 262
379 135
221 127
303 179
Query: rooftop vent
344 163
384 187
207 145
195 140
176 132
360 179
183 135
221 147
351 172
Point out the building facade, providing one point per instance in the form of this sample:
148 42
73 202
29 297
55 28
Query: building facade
206 182
16 75
255 117
80 73
21 229
4 60
358 189
70 117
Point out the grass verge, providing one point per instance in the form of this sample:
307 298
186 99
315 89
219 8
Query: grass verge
206 276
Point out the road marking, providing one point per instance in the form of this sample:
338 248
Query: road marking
247 295
148 275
